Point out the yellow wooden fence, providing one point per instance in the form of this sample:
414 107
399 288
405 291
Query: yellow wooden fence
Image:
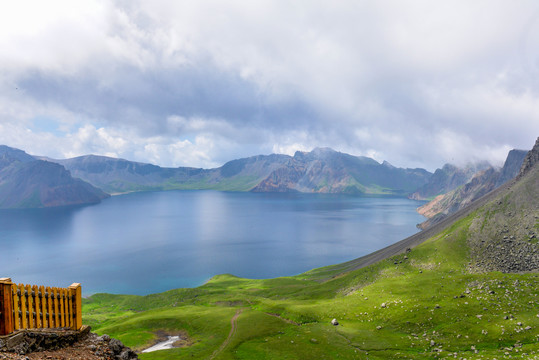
35 307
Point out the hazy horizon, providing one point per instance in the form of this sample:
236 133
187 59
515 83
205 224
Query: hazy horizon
459 164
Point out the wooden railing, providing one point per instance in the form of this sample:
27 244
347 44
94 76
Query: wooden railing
36 307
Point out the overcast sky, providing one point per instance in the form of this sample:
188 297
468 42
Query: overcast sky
197 83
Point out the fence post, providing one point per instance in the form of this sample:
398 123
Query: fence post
76 292
6 311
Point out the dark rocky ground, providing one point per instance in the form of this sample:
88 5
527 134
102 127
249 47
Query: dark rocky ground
510 242
63 344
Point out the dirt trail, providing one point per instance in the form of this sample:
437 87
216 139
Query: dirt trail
233 327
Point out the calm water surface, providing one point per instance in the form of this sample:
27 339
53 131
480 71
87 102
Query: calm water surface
151 242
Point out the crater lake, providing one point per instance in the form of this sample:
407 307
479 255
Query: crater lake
150 242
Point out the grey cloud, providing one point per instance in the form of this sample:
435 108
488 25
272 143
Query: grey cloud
413 83
136 97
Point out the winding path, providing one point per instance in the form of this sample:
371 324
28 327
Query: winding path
233 327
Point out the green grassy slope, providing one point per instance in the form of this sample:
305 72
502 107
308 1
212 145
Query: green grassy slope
429 302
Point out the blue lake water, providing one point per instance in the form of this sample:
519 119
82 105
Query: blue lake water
150 242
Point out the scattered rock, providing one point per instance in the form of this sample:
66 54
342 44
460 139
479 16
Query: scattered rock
127 354
63 344
116 346
334 322
104 338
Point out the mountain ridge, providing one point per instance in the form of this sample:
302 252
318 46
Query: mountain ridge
27 182
322 170
448 178
482 182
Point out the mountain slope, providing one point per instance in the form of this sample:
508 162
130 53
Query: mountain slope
319 171
29 183
442 293
119 175
448 178
328 171
9 155
481 183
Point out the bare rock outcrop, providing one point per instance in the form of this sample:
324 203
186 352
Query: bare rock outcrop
530 160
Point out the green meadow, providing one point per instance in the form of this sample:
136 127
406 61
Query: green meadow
421 304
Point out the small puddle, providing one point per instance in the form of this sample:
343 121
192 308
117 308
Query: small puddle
167 344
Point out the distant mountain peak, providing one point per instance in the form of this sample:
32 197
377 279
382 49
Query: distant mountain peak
8 154
321 170
28 182
483 181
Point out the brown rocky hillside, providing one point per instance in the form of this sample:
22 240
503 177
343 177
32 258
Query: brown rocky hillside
481 183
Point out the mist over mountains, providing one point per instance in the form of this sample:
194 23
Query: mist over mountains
452 194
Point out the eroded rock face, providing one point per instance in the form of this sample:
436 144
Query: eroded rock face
480 184
324 170
530 160
512 166
448 178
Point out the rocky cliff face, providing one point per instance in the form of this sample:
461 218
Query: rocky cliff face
480 184
327 171
532 158
29 183
319 171
448 178
512 166
446 204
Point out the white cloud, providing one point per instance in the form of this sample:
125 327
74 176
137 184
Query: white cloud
192 83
